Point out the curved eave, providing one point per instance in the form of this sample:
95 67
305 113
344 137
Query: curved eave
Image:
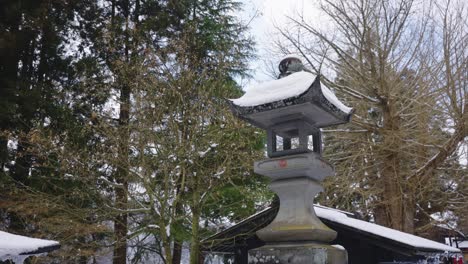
42 250
244 233
384 242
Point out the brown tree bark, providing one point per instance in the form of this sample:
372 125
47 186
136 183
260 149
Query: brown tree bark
176 253
121 191
120 221
396 209
195 243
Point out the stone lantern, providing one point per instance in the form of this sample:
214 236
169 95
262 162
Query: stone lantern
292 110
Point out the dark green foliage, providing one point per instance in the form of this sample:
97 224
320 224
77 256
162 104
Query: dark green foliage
65 64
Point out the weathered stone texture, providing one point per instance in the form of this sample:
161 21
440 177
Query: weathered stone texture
310 253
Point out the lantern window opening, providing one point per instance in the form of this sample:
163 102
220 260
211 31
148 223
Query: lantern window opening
293 137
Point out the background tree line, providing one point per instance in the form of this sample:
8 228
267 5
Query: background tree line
402 64
115 138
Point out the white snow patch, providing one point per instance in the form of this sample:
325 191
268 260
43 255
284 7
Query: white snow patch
202 154
331 97
463 244
287 87
291 56
379 230
168 230
19 259
339 247
12 144
219 173
290 86
11 246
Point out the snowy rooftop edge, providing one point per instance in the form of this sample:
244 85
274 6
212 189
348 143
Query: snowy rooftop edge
341 217
12 245
463 244
288 87
395 235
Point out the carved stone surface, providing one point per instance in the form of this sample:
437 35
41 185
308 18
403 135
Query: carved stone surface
310 165
296 219
291 253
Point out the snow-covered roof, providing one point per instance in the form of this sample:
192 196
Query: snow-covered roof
395 235
331 97
18 247
410 244
463 244
288 87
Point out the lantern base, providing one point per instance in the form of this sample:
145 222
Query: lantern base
304 253
296 219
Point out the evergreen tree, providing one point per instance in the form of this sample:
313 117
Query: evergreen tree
88 87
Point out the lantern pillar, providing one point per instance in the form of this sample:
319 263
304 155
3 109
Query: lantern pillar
292 110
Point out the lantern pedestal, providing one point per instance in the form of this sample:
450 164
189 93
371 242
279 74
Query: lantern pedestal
296 235
296 219
293 253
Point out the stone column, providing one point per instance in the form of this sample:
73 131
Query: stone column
296 235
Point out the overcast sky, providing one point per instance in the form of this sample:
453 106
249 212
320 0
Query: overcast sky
270 13
274 12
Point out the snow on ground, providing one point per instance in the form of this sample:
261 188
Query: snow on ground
287 87
11 246
415 241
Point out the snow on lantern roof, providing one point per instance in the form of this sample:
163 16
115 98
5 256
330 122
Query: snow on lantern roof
291 56
300 92
276 90
18 248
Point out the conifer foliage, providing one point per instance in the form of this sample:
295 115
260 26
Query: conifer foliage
114 135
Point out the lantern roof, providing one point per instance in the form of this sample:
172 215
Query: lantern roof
298 96
291 56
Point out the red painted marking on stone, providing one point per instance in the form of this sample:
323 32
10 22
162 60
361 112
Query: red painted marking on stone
283 163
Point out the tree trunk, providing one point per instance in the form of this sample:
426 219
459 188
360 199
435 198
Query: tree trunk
177 249
176 252
27 106
120 222
380 214
195 241
392 193
120 228
396 209
409 212
20 170
3 152
121 192
9 56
